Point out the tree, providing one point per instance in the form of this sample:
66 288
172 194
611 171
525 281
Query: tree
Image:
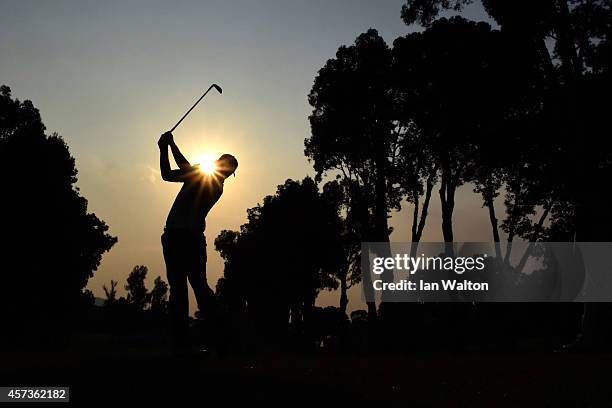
49 243
579 32
286 253
419 175
348 269
353 132
443 74
138 295
352 126
159 296
571 132
111 294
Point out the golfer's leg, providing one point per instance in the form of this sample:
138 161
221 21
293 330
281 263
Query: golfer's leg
178 300
197 278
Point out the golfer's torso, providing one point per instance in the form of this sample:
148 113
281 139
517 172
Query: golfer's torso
192 204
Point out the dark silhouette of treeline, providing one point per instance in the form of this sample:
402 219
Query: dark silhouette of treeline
50 245
141 308
517 112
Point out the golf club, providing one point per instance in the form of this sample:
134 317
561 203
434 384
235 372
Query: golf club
217 87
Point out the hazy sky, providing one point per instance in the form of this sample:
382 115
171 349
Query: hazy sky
111 76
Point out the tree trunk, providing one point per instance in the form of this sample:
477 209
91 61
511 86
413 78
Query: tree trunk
361 211
511 230
425 208
415 216
447 200
418 227
493 219
366 281
381 223
343 292
447 221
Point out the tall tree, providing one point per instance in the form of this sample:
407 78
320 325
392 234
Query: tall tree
353 132
50 245
444 77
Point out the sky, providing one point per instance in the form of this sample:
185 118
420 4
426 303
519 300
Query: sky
111 76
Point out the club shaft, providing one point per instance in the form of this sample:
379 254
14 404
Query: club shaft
190 109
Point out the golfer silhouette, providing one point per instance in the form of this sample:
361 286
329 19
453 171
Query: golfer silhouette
183 240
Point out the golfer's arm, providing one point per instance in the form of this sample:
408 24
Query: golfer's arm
180 160
164 165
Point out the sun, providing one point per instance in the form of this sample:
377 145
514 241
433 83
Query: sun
207 164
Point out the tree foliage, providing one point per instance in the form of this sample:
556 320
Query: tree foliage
353 134
137 293
50 243
159 296
288 251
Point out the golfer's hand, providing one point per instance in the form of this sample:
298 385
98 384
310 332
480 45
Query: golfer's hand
165 140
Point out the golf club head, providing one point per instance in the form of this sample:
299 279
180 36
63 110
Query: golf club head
218 88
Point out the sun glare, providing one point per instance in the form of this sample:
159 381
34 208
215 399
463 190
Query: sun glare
207 164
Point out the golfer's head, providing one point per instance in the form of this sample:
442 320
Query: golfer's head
226 165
